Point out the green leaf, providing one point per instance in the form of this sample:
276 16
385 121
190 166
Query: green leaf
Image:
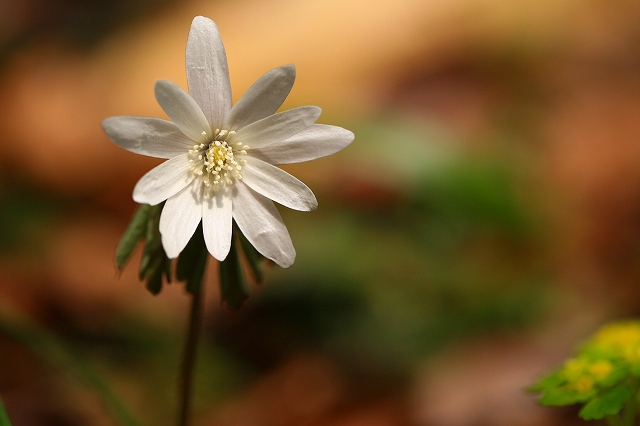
4 417
154 281
619 373
608 402
192 262
635 370
549 382
154 262
194 281
233 288
564 396
160 265
190 256
253 256
167 267
134 232
153 242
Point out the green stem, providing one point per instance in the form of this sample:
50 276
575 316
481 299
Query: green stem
189 355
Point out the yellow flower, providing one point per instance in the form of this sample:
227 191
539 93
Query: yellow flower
575 368
618 337
583 384
600 369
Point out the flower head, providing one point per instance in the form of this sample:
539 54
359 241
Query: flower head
220 158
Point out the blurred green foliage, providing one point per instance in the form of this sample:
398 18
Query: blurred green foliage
26 214
604 376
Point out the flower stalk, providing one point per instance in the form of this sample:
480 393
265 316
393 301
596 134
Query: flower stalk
185 384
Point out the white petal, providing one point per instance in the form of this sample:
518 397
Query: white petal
277 127
180 217
317 141
263 98
147 136
163 181
207 70
259 221
278 185
183 111
216 224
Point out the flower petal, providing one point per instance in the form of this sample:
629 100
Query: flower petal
317 141
277 127
163 181
263 98
183 111
259 221
278 185
207 70
216 224
153 137
180 217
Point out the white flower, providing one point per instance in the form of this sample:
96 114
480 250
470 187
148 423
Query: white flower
220 158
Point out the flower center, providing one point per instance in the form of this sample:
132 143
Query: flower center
216 161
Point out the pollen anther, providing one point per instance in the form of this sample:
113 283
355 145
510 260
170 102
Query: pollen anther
216 162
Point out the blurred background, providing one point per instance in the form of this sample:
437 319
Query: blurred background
485 220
